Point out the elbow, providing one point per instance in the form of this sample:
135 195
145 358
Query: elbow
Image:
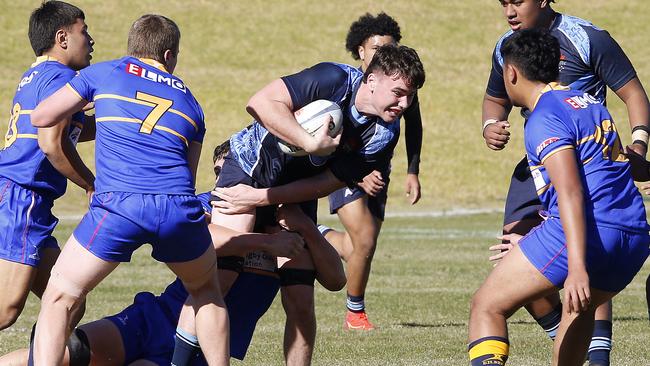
41 119
47 146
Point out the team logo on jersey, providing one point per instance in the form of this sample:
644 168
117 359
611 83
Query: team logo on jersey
581 102
26 80
140 71
544 144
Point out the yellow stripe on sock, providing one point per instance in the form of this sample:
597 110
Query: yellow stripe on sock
489 347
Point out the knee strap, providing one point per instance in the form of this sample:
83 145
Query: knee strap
231 263
294 276
79 348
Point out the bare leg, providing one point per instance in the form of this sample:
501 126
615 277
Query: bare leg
574 333
76 273
15 282
341 242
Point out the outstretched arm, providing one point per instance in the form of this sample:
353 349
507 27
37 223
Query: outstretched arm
638 111
57 108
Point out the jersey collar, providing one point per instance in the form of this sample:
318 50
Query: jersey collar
154 63
550 86
45 58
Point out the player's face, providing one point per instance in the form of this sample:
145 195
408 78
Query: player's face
369 47
390 95
80 45
522 14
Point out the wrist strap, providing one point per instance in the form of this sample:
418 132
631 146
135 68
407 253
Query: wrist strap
489 122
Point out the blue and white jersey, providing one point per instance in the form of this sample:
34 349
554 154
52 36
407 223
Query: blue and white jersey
146 120
567 119
366 142
590 60
21 159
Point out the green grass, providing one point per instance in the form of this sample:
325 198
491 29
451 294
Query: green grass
424 273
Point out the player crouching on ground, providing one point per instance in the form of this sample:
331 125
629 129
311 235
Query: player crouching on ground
593 241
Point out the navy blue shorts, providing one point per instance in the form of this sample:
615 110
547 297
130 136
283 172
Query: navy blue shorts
26 224
614 256
522 201
148 326
118 223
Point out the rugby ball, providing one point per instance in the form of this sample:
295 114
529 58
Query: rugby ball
311 118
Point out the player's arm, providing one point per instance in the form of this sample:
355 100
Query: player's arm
495 113
413 138
329 270
62 154
564 174
243 198
228 242
193 156
57 108
638 111
273 108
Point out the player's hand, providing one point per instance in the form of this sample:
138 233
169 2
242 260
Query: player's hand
285 244
322 144
372 183
496 135
292 218
413 188
239 199
645 188
508 241
640 167
577 295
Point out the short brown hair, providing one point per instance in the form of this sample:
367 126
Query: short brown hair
398 60
152 35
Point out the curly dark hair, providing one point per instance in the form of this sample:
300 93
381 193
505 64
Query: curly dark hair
535 52
367 26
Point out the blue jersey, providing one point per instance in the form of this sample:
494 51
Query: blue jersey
366 143
21 160
590 60
567 119
146 120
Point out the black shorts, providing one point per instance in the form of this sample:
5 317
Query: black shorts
522 201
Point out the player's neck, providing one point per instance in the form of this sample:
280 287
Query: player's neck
55 54
362 100
547 18
534 91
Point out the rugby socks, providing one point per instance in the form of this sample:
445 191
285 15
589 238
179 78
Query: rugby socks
355 304
551 321
324 229
186 348
601 343
488 351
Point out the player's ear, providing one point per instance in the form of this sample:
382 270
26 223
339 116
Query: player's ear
372 81
543 3
61 38
511 74
361 52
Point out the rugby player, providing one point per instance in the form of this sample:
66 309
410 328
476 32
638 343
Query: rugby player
591 61
595 235
361 213
34 163
149 134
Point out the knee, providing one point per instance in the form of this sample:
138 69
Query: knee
8 315
298 307
481 304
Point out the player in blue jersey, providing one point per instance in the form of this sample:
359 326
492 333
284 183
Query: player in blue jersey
34 164
148 141
361 213
595 235
591 61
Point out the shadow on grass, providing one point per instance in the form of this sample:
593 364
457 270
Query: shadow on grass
511 322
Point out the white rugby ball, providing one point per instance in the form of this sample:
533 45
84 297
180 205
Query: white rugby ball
311 117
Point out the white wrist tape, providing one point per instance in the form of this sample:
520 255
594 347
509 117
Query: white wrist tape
489 122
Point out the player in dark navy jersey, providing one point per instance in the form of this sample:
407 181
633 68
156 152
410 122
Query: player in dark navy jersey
361 213
149 134
595 235
591 61
34 163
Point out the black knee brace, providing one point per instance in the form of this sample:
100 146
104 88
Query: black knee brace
79 348
294 276
231 263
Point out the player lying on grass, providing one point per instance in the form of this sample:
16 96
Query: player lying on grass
361 213
148 141
595 237
35 163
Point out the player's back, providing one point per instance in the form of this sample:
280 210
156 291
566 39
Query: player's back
22 160
146 120
575 119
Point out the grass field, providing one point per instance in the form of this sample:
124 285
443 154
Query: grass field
426 268
424 273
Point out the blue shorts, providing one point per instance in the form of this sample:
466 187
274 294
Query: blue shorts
522 201
148 326
376 205
614 256
118 223
26 224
